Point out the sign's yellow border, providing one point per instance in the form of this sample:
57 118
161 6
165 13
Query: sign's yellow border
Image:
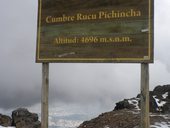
92 59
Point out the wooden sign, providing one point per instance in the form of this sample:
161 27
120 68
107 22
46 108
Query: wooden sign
95 31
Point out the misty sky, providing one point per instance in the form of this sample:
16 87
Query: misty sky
80 84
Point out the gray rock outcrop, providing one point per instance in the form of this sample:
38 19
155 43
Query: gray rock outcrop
22 118
159 101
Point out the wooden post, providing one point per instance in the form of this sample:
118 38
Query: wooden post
145 121
44 95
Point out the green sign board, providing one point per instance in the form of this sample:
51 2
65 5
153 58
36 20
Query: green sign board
95 31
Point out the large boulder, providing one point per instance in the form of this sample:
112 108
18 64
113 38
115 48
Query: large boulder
159 90
127 103
5 120
22 118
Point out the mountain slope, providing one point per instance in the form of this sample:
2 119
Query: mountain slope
125 119
127 112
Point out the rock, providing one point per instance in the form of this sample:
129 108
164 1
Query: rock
161 89
5 120
22 118
153 107
159 101
126 103
166 108
161 95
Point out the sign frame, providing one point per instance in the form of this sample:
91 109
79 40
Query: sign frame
149 58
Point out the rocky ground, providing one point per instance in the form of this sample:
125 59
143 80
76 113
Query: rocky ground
21 118
125 119
126 113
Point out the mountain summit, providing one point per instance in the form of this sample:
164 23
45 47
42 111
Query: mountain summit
126 113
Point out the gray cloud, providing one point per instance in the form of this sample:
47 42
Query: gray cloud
20 77
101 84
89 83
162 31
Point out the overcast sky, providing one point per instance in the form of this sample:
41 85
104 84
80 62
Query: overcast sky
81 84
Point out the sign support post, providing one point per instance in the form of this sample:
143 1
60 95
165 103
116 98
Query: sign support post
44 95
145 122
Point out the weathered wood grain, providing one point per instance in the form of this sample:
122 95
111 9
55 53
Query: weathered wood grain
44 95
145 121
